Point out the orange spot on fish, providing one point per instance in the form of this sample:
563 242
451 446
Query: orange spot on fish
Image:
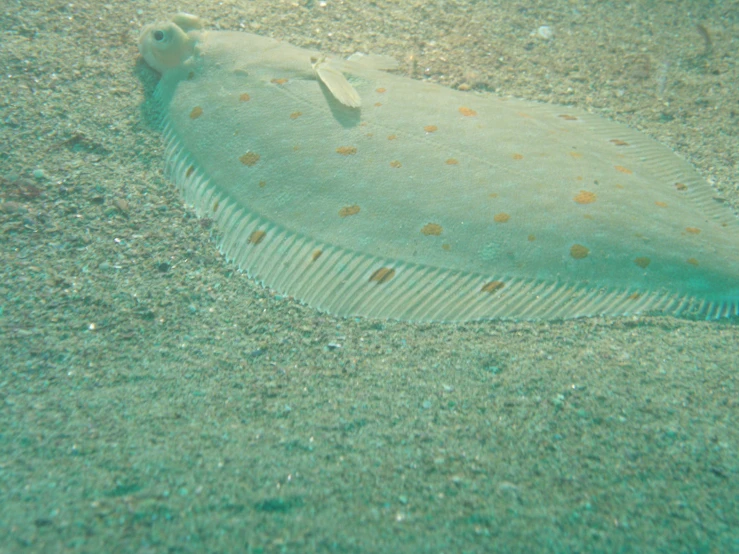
642 262
585 197
432 229
467 112
196 112
578 251
249 159
492 286
623 169
349 210
382 275
244 97
346 150
256 237
430 128
501 217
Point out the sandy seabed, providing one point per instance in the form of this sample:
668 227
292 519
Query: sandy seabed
154 399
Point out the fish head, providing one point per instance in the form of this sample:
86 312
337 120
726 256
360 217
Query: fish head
169 44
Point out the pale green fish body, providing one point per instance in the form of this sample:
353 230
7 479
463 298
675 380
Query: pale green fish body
360 192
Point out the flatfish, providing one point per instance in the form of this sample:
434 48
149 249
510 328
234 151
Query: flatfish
364 193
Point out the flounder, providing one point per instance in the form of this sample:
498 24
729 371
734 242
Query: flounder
360 192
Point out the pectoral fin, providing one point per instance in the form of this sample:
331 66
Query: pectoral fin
187 22
337 84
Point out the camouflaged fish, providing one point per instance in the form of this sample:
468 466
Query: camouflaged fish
360 192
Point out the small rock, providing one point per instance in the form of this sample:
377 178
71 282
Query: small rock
545 32
11 207
121 204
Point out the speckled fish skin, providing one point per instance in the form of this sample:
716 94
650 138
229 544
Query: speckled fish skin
426 203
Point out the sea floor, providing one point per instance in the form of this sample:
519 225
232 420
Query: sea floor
154 399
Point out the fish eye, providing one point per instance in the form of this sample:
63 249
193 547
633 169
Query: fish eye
158 35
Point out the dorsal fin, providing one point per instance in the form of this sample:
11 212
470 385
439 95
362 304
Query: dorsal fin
374 61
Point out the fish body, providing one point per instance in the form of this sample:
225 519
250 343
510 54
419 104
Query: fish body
361 192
